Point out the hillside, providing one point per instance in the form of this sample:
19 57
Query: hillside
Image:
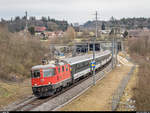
19 23
18 55
127 23
139 49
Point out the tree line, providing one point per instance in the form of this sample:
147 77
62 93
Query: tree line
126 23
19 23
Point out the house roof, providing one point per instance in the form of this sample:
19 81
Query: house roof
40 29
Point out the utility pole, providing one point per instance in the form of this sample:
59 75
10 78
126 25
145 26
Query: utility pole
74 50
114 38
94 50
116 46
112 52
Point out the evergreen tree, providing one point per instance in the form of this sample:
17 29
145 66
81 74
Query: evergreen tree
31 30
125 34
112 32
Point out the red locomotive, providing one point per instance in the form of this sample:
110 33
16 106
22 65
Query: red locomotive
50 78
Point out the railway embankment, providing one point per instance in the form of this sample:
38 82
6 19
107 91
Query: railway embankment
55 102
13 93
99 97
139 50
17 56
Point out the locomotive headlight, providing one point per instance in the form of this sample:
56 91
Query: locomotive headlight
35 84
49 83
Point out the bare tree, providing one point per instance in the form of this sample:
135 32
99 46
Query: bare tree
70 33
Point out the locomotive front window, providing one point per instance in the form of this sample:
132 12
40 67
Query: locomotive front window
49 72
35 73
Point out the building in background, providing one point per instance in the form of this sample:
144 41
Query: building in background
39 29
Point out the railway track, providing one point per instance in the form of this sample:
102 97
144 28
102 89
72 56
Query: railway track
35 102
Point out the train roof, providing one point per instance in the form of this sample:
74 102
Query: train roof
43 66
72 60
51 64
79 59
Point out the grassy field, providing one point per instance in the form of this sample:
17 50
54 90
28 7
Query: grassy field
10 92
142 88
139 50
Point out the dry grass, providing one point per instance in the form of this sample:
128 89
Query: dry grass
128 93
142 89
140 52
99 97
18 55
10 92
140 46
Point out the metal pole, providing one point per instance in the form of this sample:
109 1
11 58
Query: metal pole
94 61
113 51
94 50
116 50
74 51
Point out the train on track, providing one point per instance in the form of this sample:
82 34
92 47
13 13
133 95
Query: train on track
51 78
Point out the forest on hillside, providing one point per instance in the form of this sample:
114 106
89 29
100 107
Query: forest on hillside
126 23
19 23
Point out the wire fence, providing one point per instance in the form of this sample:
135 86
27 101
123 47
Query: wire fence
119 91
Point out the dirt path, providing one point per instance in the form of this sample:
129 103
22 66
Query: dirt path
98 98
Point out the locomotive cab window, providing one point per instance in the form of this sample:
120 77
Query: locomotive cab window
35 73
48 72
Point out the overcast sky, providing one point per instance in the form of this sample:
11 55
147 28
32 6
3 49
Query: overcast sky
75 10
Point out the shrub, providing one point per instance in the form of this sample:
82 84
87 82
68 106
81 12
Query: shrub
18 54
140 45
140 50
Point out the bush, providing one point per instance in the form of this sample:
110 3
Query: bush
142 89
140 51
140 45
18 54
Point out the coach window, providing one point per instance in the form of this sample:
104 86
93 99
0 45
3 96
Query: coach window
79 65
49 72
66 67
